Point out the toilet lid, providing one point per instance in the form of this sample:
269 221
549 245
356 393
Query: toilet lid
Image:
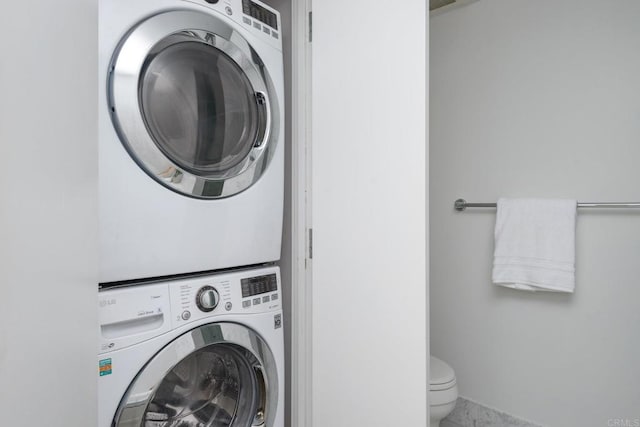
440 373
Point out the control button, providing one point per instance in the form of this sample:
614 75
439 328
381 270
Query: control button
274 34
256 301
246 303
266 299
228 306
257 25
265 29
274 297
207 298
212 1
246 20
228 10
186 315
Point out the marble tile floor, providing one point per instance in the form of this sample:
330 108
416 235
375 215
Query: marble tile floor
471 414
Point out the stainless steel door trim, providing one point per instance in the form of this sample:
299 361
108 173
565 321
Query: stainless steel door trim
123 96
140 393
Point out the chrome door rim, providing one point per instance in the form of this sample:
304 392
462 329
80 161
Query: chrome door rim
123 90
142 390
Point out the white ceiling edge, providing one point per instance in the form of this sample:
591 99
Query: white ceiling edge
449 7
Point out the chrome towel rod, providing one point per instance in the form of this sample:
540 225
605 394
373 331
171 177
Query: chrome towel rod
462 204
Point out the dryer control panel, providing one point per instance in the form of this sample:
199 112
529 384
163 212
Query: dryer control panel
257 18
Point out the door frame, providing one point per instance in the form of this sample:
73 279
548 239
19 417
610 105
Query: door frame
301 235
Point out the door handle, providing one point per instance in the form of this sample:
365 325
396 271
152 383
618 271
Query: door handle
260 416
264 117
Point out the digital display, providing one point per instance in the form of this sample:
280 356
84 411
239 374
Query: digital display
260 13
259 285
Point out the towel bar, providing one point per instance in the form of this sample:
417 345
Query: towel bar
461 204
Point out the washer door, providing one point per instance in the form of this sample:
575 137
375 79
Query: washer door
193 104
219 375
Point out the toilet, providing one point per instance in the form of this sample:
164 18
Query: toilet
443 390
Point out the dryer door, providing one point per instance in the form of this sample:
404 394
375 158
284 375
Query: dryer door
221 375
193 104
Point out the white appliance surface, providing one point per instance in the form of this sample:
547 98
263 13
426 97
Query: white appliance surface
139 324
146 229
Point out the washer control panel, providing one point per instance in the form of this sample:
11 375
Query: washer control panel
238 292
136 313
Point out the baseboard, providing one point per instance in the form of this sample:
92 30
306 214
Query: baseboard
468 413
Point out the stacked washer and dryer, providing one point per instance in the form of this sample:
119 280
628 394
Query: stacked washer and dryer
191 150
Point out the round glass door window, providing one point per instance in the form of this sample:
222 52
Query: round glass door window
215 386
198 106
217 375
193 104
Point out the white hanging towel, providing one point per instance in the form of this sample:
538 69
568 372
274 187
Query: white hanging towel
535 244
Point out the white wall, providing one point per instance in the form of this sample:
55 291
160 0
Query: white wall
538 98
370 340
48 213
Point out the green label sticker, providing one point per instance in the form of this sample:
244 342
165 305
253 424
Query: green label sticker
105 367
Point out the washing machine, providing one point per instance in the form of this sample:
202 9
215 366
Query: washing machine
191 136
199 351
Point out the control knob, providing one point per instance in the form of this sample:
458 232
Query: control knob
207 298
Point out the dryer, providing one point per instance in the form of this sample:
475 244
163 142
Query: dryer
205 350
191 136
